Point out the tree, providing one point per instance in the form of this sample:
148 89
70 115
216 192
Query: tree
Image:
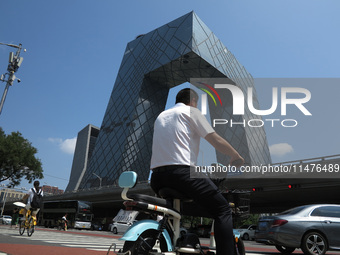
251 219
17 159
193 221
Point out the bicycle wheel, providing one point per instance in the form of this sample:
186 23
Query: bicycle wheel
30 228
22 227
145 243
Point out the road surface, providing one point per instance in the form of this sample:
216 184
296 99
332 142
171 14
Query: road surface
53 242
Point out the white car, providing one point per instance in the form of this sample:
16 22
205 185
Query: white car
247 232
120 227
5 219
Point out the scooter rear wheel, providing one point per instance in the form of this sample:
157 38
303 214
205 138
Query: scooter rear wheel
145 243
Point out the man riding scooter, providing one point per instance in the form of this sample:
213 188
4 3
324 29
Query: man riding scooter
177 133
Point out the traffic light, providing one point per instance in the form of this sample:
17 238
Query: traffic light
294 186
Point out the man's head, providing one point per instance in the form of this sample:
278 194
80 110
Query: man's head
36 184
187 96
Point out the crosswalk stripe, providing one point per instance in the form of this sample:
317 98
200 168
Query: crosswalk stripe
98 249
75 241
72 241
87 246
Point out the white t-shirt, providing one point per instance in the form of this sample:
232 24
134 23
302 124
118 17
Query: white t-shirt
177 134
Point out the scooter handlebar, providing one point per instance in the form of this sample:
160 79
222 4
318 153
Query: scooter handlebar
237 162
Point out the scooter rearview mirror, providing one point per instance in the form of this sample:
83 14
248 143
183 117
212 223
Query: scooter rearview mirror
127 179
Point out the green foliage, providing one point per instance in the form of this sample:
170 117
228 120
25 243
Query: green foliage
191 221
17 159
251 219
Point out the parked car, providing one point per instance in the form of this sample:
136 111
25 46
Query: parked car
6 219
120 227
247 232
313 228
96 225
203 230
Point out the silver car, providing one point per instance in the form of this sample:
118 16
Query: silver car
5 219
120 227
247 232
313 228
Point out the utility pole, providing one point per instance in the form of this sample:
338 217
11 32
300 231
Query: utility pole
14 63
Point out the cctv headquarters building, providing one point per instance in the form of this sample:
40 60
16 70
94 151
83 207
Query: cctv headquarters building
182 51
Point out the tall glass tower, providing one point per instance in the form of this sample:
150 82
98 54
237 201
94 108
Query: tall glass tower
153 63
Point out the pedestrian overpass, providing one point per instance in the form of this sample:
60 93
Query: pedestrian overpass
267 194
316 180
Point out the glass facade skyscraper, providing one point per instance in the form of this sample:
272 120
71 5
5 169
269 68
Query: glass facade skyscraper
170 55
86 140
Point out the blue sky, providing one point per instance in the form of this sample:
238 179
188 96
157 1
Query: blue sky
74 50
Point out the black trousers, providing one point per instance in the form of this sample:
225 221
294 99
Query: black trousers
204 193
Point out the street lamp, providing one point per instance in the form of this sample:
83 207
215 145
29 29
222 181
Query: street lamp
14 63
100 179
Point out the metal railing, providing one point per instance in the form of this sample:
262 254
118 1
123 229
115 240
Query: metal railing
309 160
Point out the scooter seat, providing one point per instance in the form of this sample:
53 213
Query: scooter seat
151 200
169 193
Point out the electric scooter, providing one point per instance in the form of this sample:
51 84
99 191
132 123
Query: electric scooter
162 236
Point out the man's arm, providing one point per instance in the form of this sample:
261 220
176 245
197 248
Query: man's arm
25 197
224 147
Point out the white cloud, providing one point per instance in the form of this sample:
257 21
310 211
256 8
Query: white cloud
68 145
280 149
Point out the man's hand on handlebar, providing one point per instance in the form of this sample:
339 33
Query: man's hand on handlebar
237 161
